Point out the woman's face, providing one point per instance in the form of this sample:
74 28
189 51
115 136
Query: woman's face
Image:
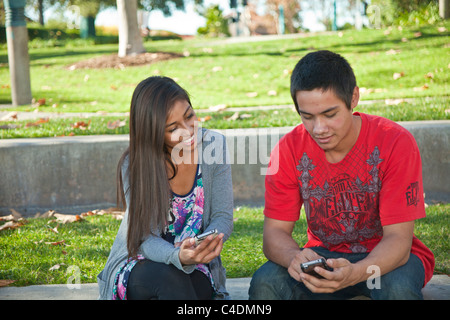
180 134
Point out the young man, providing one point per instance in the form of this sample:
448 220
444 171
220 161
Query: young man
359 178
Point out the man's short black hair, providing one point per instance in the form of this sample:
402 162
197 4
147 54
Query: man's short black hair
324 70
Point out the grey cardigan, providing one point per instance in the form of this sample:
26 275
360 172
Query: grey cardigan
217 213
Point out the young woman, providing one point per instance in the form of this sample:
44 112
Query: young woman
176 183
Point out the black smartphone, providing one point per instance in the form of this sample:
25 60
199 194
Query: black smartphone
203 236
308 267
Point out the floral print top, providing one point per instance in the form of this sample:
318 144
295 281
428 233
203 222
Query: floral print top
186 214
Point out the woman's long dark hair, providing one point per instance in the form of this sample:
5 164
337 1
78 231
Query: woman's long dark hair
149 190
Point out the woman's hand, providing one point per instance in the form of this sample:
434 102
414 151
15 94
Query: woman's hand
203 253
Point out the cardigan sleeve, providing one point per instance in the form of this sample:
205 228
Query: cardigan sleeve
220 194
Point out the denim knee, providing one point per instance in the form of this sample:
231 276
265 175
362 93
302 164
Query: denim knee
270 282
403 283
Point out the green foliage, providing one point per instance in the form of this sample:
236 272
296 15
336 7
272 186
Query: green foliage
34 254
216 24
408 12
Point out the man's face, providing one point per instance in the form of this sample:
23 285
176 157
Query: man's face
329 122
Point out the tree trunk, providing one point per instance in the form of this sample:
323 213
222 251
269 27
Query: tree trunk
41 12
130 40
444 9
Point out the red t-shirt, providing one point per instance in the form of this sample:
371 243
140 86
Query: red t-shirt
378 183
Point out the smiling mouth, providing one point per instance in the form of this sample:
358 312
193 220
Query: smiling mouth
189 141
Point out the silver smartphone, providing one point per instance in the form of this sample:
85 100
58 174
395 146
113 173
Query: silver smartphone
203 236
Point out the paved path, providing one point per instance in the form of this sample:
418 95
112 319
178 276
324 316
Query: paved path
437 289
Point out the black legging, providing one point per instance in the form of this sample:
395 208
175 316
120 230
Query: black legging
158 281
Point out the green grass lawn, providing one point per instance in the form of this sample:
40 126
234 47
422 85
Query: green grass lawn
29 254
435 108
217 72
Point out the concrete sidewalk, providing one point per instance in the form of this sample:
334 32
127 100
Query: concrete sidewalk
437 289
238 289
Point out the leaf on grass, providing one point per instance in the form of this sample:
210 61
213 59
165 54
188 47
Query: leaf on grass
56 266
81 125
114 212
251 94
234 117
392 52
5 283
10 225
204 119
37 103
56 243
116 124
67 218
11 115
422 88
398 75
14 216
44 215
55 229
219 107
37 123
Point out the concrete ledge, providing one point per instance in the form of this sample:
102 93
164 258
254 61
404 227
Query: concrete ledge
73 174
437 289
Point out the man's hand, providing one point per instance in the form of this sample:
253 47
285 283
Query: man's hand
344 274
203 253
302 256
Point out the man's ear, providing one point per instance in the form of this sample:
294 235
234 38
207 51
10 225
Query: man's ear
355 97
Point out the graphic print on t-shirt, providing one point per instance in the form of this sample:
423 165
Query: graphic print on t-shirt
342 205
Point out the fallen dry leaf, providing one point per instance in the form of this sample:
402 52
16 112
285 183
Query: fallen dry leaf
11 115
235 116
422 88
116 124
37 123
398 75
67 218
392 52
5 283
81 125
56 243
204 119
10 225
219 107
56 266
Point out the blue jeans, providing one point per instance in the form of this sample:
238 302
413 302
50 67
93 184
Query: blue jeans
273 282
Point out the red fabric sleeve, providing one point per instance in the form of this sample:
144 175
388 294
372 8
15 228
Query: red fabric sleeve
282 195
401 195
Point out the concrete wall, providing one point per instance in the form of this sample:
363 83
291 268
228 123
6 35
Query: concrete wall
73 174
